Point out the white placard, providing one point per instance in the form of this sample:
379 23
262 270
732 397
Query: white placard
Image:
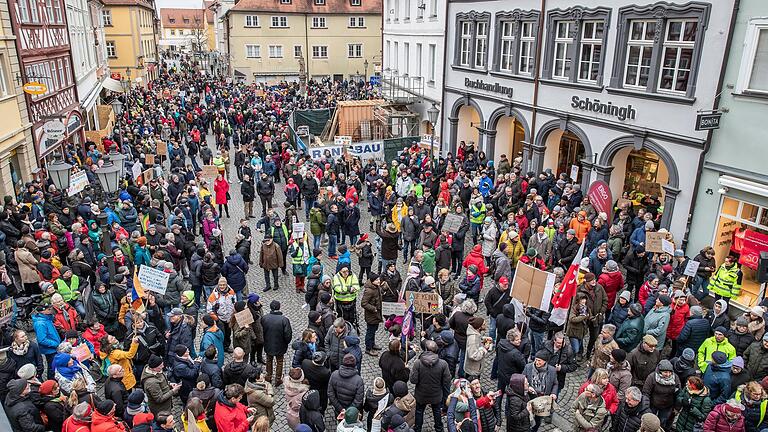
691 268
298 229
392 308
574 172
342 140
153 280
668 247
77 183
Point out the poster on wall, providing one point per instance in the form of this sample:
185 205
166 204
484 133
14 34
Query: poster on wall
754 243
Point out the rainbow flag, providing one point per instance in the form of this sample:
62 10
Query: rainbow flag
137 293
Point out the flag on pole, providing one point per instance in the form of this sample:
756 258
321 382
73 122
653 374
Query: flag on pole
137 293
408 322
562 296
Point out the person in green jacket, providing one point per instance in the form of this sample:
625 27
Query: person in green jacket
68 285
630 333
694 404
718 342
316 225
428 264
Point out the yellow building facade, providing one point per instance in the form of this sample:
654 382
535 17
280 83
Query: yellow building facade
131 40
17 150
338 40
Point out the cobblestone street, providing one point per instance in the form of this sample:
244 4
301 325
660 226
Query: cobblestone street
292 307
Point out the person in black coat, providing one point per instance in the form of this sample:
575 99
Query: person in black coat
249 193
566 250
317 375
561 354
185 371
54 405
180 333
432 380
114 389
238 371
505 321
346 388
210 367
510 359
277 337
516 409
351 223
265 188
24 351
392 366
311 412
21 412
7 373
628 416
234 270
637 266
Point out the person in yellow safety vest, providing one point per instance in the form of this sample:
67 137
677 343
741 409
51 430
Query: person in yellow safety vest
218 162
718 342
476 217
345 288
726 282
299 252
753 397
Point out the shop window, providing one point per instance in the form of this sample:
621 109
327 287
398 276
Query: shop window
749 212
730 207
571 153
642 173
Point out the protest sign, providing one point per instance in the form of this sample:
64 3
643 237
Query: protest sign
77 183
298 229
153 280
622 201
425 302
574 172
392 308
149 160
691 268
162 148
667 247
653 242
81 352
533 287
452 223
6 310
244 318
148 175
210 171
342 140
600 196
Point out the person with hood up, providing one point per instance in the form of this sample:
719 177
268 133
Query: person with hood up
718 316
630 332
352 346
477 258
717 377
517 407
657 320
612 280
620 309
694 332
661 388
432 379
346 387
589 409
718 342
234 271
694 404
726 417
685 365
311 413
643 360
295 387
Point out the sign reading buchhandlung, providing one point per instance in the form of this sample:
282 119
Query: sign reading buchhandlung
153 279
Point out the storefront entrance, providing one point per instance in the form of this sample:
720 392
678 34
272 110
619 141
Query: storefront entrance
469 121
510 135
564 151
639 173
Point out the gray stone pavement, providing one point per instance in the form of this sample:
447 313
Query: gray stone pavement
292 307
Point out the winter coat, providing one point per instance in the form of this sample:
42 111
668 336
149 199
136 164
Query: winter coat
346 388
602 353
32 356
230 417
21 412
27 266
495 300
490 233
294 392
505 321
431 377
628 419
311 413
277 332
711 345
475 352
544 381
125 359
597 299
677 321
756 360
271 256
48 338
612 283
158 391
185 371
393 368
234 270
620 377
718 381
237 372
656 323
588 414
693 334
630 333
693 408
661 396
371 303
334 344
510 361
516 408
642 364
717 421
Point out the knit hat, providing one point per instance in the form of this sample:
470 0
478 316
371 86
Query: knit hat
325 297
665 365
636 309
429 280
689 354
572 231
649 225
105 406
611 266
136 398
543 354
189 296
678 293
319 357
589 277
476 322
719 357
351 415
639 249
472 269
722 330
27 372
154 361
733 406
742 321
399 389
650 340
349 360
379 387
626 295
619 355
738 362
46 388
253 298
665 300
531 252
650 423
296 374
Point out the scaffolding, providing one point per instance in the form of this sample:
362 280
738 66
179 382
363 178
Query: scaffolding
402 89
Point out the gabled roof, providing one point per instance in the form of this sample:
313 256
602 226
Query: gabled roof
309 7
209 10
182 18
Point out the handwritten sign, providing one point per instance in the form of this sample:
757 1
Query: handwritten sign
392 308
81 352
162 148
210 171
298 229
452 223
425 302
77 183
244 318
153 279
6 310
148 175
149 160
342 140
653 242
691 268
667 247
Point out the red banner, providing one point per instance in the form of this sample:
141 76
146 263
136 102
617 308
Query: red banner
754 243
600 196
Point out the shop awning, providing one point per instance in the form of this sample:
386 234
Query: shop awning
112 84
743 185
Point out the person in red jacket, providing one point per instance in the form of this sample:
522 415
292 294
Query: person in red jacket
725 417
103 419
80 420
65 316
612 281
476 257
230 415
680 313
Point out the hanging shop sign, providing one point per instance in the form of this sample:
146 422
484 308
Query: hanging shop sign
35 88
709 121
490 87
595 106
54 130
600 196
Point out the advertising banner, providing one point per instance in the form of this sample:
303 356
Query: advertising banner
600 196
754 243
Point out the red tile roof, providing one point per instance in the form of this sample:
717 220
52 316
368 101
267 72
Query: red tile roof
309 6
208 10
181 18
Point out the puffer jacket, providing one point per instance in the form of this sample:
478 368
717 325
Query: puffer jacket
656 323
234 270
310 412
612 283
718 381
620 377
642 364
346 388
510 361
630 333
475 352
21 411
693 334
755 360
693 408
717 421
662 396
516 411
628 419
677 321
294 392
432 379
740 341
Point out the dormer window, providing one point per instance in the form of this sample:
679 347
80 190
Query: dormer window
356 2
319 2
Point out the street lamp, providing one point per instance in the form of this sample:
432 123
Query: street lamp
59 171
117 107
365 69
432 113
109 177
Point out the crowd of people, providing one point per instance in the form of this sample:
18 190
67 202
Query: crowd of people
661 350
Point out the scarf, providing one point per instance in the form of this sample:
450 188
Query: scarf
664 381
20 350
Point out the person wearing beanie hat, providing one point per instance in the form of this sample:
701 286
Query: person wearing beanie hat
314 280
620 309
27 372
346 387
20 409
351 421
278 335
630 331
718 342
661 388
657 319
717 377
739 336
695 331
728 416
649 422
739 375
542 378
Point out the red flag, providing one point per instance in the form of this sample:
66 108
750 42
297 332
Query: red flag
561 297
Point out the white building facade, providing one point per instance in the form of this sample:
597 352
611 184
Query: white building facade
613 96
89 60
413 51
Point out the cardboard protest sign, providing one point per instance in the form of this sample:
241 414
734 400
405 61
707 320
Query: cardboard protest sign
392 308
148 175
244 318
691 268
425 302
653 242
77 183
210 171
162 148
81 352
621 201
153 279
6 310
533 287
298 229
149 160
452 223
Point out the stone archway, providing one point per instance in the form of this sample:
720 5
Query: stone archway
494 129
454 119
540 146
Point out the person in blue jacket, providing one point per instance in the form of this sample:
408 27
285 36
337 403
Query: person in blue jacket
213 336
717 377
234 270
48 338
638 235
